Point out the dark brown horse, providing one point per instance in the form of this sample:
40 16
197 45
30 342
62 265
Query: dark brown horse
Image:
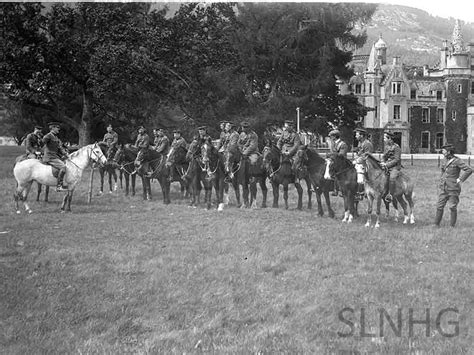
212 173
240 172
126 167
307 162
375 183
346 177
177 165
193 173
280 172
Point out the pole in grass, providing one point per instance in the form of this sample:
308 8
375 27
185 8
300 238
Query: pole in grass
91 180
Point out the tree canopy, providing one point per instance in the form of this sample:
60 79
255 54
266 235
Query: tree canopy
86 64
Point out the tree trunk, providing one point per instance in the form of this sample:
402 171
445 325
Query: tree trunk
85 127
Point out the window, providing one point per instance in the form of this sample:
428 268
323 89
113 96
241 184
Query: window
370 88
425 140
453 115
439 140
410 114
459 88
413 94
358 89
439 95
440 115
472 87
396 112
425 115
396 87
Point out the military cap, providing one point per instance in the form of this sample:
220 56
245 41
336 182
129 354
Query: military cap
232 124
202 128
390 134
334 132
38 127
54 124
160 128
110 125
361 131
289 123
176 130
245 124
447 146
223 121
141 127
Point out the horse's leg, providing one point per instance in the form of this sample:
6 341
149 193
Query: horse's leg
253 193
328 203
39 192
69 199
46 193
121 179
263 186
379 205
370 202
320 203
21 194
101 172
409 198
310 194
134 180
127 182
220 188
276 193
299 189
236 186
114 175
226 193
166 188
285 193
245 195
64 203
403 203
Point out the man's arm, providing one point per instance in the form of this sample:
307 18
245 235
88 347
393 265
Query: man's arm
397 157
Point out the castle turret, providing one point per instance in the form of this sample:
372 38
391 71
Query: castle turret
381 50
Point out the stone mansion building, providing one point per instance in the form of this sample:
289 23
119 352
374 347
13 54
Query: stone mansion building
425 108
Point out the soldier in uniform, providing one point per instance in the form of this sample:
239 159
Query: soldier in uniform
111 139
233 136
289 141
223 136
453 173
161 142
364 147
54 153
248 143
392 161
142 143
338 147
34 143
178 140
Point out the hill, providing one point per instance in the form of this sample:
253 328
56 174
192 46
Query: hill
412 34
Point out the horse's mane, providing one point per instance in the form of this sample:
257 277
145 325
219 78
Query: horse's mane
373 160
314 158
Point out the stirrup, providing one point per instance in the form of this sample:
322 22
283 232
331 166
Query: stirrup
61 188
388 198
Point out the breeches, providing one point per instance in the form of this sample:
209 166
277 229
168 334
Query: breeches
394 174
452 199
58 164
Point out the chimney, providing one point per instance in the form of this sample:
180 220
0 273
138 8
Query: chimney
396 60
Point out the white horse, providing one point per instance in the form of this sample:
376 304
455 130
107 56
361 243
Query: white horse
30 170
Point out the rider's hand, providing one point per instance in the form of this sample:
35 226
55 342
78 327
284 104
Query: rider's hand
458 181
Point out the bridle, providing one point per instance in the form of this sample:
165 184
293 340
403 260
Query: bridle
207 162
269 169
227 165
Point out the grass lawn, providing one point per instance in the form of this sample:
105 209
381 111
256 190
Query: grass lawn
123 275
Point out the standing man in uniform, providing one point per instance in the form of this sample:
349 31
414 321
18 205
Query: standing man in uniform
289 141
34 143
161 142
111 139
453 173
392 161
142 143
364 147
54 153
248 143
338 147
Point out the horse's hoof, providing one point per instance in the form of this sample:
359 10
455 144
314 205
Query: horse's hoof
377 225
18 212
29 211
100 193
220 207
367 225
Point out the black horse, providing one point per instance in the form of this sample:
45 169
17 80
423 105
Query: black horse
125 163
193 173
280 172
307 162
212 173
178 167
346 177
240 171
109 169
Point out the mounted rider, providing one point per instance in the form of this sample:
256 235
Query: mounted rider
223 136
248 143
34 143
178 140
289 141
54 153
161 143
364 147
142 143
232 137
111 140
338 147
196 144
392 161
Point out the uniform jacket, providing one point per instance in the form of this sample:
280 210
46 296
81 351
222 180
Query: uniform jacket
222 140
53 147
232 140
111 139
392 156
364 146
340 148
248 143
162 144
180 142
289 141
451 170
143 141
33 143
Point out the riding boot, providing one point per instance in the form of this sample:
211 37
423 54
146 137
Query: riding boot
438 217
391 190
60 186
454 217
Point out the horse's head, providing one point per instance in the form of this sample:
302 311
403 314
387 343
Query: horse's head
270 156
177 154
300 159
192 150
97 155
207 151
231 158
